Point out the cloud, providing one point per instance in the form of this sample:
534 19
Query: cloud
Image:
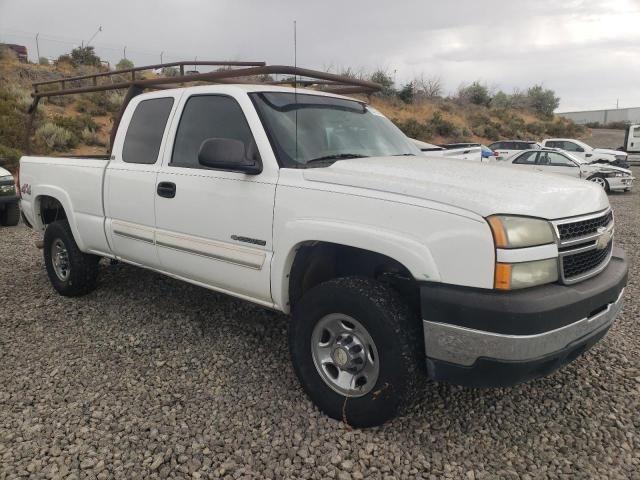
586 50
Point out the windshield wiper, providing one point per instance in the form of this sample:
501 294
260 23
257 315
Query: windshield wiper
404 155
338 156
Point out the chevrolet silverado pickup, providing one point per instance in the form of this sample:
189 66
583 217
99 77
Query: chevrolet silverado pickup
393 265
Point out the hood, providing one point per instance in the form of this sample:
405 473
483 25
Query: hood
609 151
481 188
604 168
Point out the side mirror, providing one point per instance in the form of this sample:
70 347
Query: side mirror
589 155
579 149
227 154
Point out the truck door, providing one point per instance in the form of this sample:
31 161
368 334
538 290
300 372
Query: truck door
214 226
130 180
632 139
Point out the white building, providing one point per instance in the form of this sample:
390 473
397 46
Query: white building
627 115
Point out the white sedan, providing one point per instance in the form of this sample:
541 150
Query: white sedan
551 160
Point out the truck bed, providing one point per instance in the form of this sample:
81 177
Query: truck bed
78 181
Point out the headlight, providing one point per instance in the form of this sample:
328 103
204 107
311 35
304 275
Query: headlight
511 276
7 186
517 232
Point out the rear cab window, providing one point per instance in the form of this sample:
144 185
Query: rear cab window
146 130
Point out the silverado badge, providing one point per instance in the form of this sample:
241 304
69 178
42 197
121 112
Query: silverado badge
604 238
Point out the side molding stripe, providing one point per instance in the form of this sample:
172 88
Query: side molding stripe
243 256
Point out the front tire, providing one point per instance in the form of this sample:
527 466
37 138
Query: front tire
71 272
600 181
356 349
10 215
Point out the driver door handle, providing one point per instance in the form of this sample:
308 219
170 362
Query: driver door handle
166 189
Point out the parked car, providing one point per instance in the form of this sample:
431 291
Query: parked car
552 160
487 153
587 152
468 152
9 205
315 204
508 148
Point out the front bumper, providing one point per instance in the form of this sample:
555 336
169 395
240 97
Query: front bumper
620 183
486 338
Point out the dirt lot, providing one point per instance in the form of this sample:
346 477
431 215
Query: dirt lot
148 377
605 138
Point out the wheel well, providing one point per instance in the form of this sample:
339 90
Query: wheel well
50 210
318 262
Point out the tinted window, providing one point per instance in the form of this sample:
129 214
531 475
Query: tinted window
527 158
210 116
530 146
553 144
558 160
144 135
570 147
496 146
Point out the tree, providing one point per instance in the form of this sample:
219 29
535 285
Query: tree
475 93
85 56
426 88
64 58
124 64
406 93
384 79
170 72
543 101
43 61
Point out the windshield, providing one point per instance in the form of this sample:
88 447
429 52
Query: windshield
328 129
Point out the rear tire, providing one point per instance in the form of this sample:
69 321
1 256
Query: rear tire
71 272
383 328
10 215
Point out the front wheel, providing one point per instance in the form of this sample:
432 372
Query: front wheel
71 272
602 182
356 349
10 215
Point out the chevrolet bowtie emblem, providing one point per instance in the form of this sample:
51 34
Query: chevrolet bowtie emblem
603 239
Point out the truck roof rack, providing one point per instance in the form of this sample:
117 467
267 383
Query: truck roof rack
227 72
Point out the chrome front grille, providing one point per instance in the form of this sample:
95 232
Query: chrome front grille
585 245
583 228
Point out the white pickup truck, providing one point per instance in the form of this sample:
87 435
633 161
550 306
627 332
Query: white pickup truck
314 204
588 153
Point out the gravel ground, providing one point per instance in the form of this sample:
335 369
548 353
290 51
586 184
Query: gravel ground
148 377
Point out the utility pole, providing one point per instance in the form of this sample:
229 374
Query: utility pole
94 35
124 52
38 46
617 103
161 56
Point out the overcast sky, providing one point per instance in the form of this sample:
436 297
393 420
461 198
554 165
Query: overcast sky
588 51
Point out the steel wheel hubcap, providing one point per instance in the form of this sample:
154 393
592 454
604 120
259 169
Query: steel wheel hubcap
345 355
60 260
599 181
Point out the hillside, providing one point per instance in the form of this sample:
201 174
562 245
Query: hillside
81 124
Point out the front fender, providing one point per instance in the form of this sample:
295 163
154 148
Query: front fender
411 253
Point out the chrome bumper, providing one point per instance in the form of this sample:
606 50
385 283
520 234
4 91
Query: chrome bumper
463 346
